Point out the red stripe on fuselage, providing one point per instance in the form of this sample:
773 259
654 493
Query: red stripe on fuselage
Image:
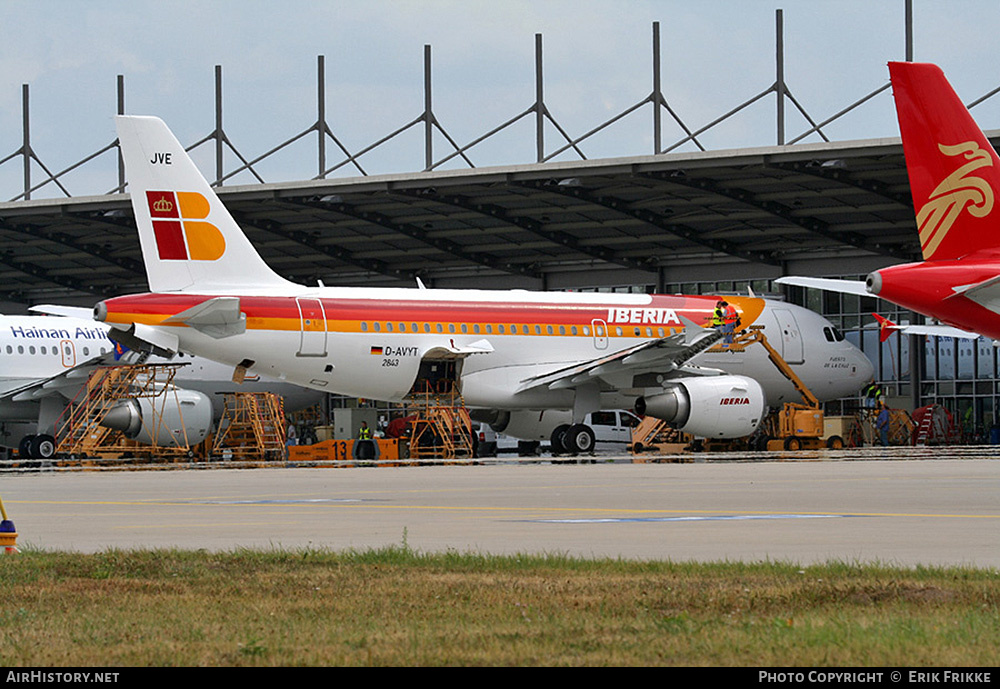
656 312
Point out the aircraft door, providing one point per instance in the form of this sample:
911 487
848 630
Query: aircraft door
312 319
791 337
68 353
600 333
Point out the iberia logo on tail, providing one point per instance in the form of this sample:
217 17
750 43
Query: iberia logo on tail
180 228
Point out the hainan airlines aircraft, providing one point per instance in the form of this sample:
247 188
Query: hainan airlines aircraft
518 356
954 177
44 361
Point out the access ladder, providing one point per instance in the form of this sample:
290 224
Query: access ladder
252 426
79 431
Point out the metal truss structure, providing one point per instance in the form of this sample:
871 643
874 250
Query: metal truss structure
539 111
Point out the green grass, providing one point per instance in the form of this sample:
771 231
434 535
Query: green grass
398 607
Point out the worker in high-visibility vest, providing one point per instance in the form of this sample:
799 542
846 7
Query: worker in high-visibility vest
729 318
364 433
719 314
873 395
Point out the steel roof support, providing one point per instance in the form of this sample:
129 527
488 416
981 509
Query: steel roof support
412 231
660 221
121 111
28 154
220 137
430 121
128 265
321 113
40 273
541 113
309 241
780 211
558 239
26 141
779 77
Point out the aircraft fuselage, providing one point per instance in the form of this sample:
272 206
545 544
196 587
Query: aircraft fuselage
370 343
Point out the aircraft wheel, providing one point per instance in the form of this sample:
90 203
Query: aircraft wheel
793 444
24 448
835 442
579 438
43 446
558 439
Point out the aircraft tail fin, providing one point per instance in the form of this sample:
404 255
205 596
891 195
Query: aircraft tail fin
954 170
885 327
190 242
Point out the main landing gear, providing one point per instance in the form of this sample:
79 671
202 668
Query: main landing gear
573 439
41 446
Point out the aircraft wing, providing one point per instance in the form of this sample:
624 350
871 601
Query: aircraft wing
69 381
828 284
667 356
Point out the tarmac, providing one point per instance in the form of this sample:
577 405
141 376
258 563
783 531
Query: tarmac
895 506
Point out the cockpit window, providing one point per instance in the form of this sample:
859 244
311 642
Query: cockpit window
832 334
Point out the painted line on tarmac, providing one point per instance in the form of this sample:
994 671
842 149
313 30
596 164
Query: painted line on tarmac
718 518
312 501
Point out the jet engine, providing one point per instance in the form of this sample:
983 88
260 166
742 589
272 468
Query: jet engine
174 417
708 407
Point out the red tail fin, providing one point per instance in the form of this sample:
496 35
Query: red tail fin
954 171
885 327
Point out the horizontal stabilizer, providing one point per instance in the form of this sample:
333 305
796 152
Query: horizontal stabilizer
80 312
219 317
828 284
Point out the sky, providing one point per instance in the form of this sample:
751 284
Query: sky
715 54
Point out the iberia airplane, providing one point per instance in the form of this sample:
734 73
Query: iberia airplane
954 177
534 363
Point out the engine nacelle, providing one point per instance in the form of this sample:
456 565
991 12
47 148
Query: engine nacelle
709 406
172 418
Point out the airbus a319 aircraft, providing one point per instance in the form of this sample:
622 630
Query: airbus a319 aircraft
531 362
954 178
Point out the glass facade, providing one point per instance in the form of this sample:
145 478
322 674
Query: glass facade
960 375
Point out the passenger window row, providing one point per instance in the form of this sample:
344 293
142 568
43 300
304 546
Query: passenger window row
505 329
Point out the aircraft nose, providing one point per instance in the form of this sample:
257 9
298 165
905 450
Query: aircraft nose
865 368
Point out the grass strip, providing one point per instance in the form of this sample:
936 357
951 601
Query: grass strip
394 606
